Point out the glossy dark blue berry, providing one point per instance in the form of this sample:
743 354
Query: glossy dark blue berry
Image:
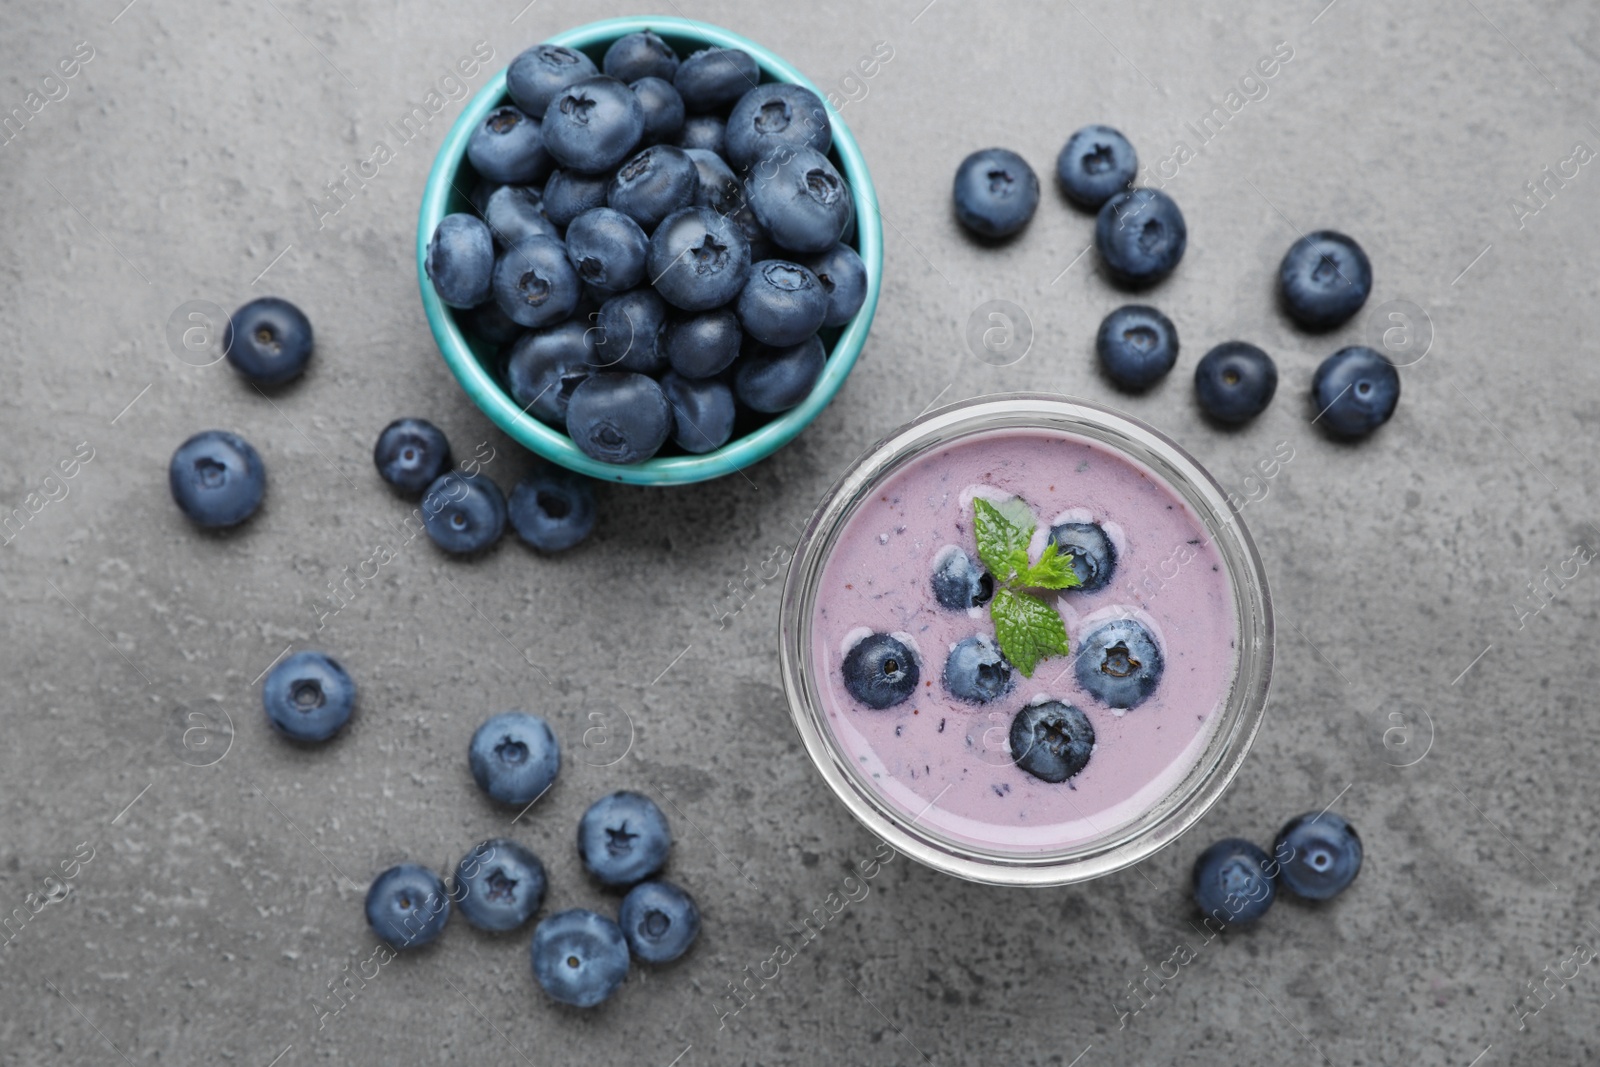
653 184
488 323
663 109
534 284
1119 663
640 55
1137 346
703 131
659 920
569 194
976 672
630 334
1355 390
463 513
1234 382
619 417
607 249
499 885
507 147
1096 164
844 279
995 192
623 838
514 213
460 260
217 478
1233 881
269 340
1094 557
408 906
702 412
799 199
774 117
1324 279
698 260
770 380
552 509
410 454
1141 236
308 696
703 345
1051 741
880 671
713 78
717 188
514 757
782 303
593 125
579 958
543 367
1319 855
538 74
959 581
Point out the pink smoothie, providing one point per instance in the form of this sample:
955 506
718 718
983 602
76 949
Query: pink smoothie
946 763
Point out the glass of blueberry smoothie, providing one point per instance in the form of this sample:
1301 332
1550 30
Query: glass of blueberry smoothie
1026 641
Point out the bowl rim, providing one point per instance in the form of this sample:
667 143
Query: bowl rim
739 453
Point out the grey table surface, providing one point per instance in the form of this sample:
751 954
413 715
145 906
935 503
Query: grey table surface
1420 685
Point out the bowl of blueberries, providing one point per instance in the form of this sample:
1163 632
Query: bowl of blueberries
649 252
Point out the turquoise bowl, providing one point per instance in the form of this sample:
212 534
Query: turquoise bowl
473 363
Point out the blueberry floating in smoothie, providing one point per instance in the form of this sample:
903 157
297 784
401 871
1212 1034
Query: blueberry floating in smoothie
1321 855
880 671
959 582
1051 741
1120 663
976 671
1094 558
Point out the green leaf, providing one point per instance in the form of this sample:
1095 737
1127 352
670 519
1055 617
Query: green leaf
1028 629
1053 571
1002 538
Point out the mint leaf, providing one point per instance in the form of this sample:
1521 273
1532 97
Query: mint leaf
1002 538
1053 571
1028 629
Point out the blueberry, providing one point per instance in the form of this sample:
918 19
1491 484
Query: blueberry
482 190
663 109
630 334
1234 382
269 340
1119 663
538 74
1141 236
1356 390
1319 853
659 920
1094 557
619 417
995 192
460 261
514 757
579 958
1051 741
703 345
976 671
308 697
713 78
534 284
717 188
488 323
653 184
702 412
552 509
770 380
593 125
463 513
844 279
880 671
623 838
569 194
411 453
499 885
217 478
1096 164
1324 279
703 131
640 55
959 581
799 199
607 249
408 905
1233 881
514 213
782 303
773 117
698 259
1137 346
507 146
543 367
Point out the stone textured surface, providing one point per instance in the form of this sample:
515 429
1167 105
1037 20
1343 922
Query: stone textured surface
181 164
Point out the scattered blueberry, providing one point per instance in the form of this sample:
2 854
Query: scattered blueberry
552 509
1320 855
308 697
619 417
534 284
782 303
630 335
543 367
653 184
799 199
593 125
702 412
514 757
538 74
771 380
607 249
269 340
408 905
514 213
640 55
1051 741
659 920
507 147
410 454
1119 663
663 109
217 478
499 885
698 259
1356 390
1141 236
703 131
460 261
844 279
569 194
623 838
579 958
463 513
699 346
713 78
1137 346
880 671
1094 557
774 117
976 671
1235 381
996 192
1096 164
959 581
1324 279
1232 882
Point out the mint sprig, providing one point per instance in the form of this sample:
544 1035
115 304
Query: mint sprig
1027 628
